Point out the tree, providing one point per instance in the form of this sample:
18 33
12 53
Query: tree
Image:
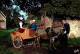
63 8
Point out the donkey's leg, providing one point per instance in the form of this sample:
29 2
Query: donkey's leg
53 44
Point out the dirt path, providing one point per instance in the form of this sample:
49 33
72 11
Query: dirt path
31 50
46 50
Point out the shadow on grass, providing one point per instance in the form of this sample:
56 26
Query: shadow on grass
5 50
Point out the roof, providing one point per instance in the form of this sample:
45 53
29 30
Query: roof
2 16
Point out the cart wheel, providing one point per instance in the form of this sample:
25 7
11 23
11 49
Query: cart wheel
17 41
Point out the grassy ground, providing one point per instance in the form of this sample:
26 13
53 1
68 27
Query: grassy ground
5 50
72 42
4 33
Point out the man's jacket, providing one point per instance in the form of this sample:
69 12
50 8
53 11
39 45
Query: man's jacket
33 26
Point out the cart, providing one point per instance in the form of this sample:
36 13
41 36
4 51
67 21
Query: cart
17 37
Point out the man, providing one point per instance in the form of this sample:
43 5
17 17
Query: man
33 25
66 30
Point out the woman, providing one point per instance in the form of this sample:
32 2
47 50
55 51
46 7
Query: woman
21 28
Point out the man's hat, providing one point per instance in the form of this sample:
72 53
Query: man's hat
33 20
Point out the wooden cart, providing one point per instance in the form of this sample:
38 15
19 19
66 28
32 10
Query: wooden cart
17 37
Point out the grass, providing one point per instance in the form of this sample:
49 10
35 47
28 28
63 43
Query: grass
6 32
3 33
5 50
74 41
71 42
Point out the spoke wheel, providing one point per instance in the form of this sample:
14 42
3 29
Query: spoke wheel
17 42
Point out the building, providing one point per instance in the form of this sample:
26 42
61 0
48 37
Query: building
2 20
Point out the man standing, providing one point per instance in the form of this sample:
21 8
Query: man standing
66 29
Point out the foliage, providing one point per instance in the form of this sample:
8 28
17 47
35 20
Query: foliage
62 7
11 22
33 18
27 21
37 19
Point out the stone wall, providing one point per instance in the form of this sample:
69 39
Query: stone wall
74 28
